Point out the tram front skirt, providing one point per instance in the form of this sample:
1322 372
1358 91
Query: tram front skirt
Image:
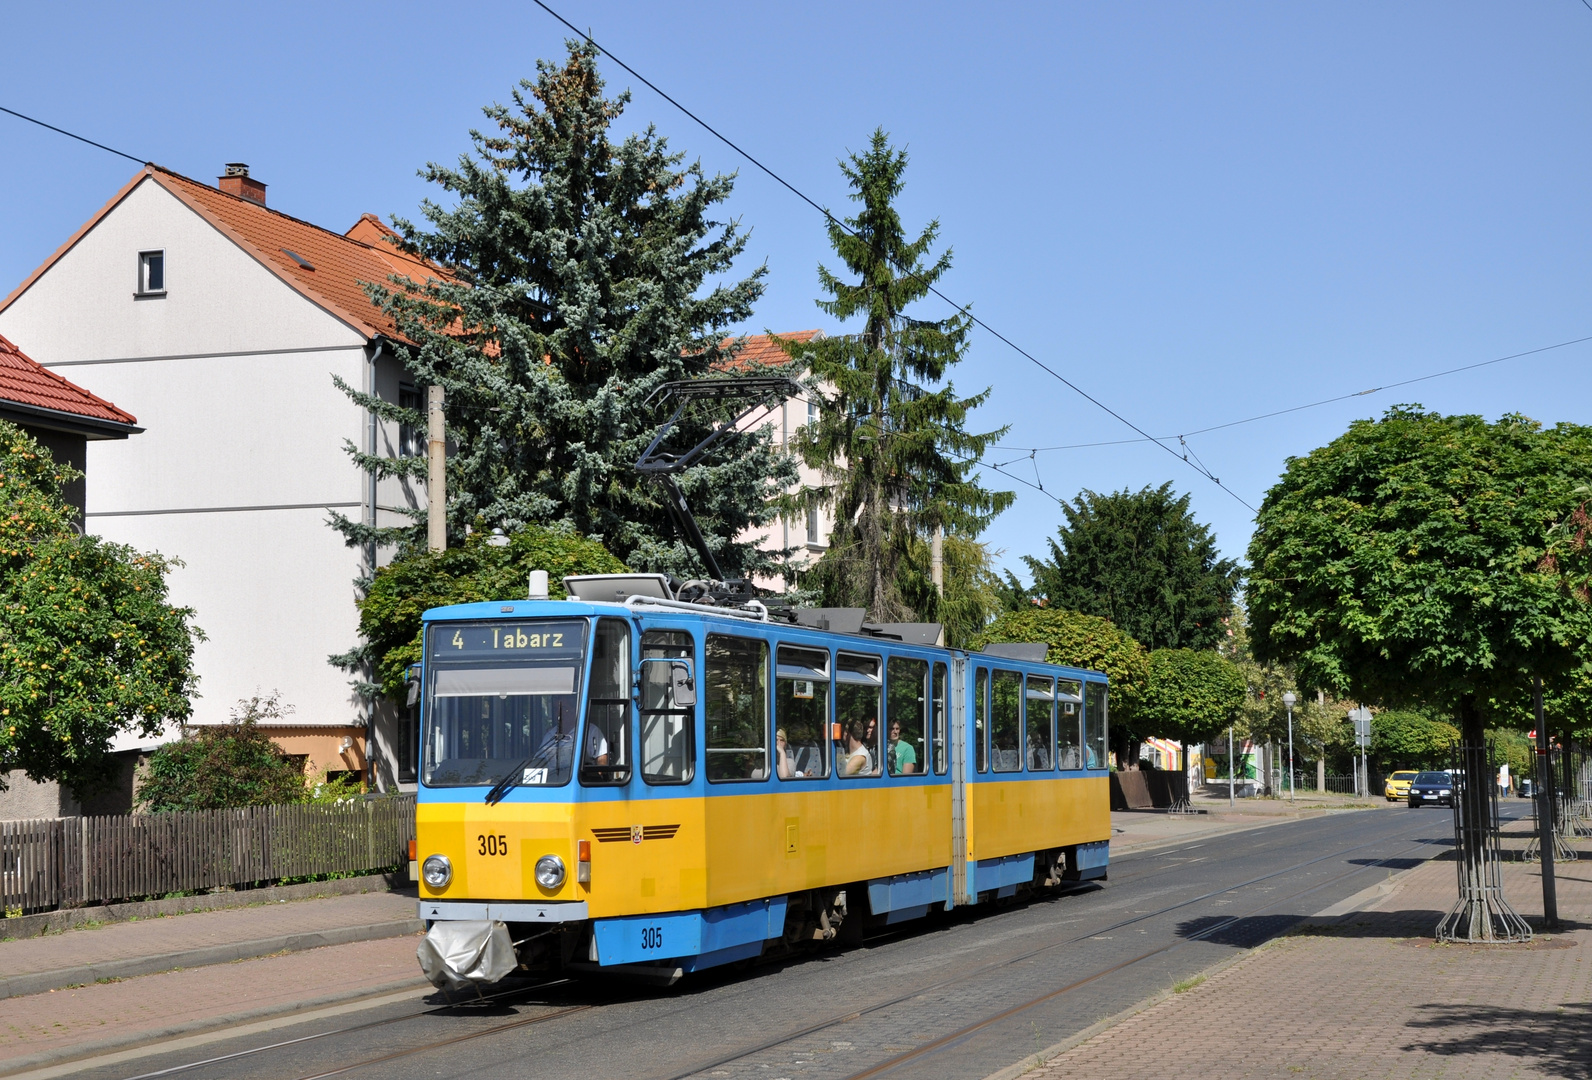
457 955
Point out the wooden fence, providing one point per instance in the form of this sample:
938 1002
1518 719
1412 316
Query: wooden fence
68 862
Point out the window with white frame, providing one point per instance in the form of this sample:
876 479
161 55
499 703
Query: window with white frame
151 273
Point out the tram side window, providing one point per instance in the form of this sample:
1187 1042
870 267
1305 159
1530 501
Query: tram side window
605 751
1069 723
668 745
1040 707
1006 721
941 731
981 719
801 713
905 753
737 708
857 688
1094 725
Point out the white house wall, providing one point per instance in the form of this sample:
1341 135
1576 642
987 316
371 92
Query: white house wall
230 375
273 591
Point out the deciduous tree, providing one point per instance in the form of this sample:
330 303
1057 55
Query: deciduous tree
1429 559
1414 560
1190 695
89 645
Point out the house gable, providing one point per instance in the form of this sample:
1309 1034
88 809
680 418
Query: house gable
219 298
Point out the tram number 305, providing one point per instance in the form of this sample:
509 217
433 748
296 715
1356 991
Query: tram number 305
490 844
652 937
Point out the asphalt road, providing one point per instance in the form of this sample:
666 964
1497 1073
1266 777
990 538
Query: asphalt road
960 996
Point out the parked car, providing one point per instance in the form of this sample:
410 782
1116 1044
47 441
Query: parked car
1432 789
1398 785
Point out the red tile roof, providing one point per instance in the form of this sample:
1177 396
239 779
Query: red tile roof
759 351
338 264
27 382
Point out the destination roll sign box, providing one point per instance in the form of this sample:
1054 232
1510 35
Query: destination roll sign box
538 640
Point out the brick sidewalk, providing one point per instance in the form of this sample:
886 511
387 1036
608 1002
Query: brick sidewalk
1371 995
143 1009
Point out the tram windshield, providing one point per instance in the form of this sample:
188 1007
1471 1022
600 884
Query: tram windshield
503 697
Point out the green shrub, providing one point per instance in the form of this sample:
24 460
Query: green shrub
225 765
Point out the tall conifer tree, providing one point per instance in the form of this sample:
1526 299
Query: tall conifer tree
584 273
895 457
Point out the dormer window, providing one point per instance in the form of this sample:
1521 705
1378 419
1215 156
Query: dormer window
151 273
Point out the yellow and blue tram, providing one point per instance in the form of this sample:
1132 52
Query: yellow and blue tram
652 786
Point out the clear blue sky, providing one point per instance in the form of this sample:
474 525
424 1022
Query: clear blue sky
1196 212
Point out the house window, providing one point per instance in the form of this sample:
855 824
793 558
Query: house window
411 439
812 520
151 273
812 411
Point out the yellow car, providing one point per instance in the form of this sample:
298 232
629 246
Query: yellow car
1398 785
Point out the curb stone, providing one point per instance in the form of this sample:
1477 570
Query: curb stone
50 922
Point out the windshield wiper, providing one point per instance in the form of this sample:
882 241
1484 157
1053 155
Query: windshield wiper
513 780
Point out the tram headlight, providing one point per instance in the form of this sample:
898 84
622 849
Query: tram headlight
437 871
550 872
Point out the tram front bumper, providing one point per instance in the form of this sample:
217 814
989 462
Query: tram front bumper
509 911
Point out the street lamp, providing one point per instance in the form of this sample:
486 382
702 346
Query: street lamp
1288 699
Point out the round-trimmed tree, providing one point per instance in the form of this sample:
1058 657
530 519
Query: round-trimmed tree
1190 695
1431 560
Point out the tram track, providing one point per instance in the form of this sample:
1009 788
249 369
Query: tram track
854 1014
436 1010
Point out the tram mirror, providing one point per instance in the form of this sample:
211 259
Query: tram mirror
412 681
682 684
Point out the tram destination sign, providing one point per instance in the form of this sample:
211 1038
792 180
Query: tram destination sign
523 638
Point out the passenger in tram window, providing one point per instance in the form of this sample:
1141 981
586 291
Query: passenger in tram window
859 759
783 766
899 756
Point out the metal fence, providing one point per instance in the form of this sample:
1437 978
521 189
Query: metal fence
68 862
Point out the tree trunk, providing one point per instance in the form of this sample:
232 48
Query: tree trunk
1481 913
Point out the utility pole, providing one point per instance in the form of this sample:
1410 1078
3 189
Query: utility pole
436 472
937 572
1550 892
1230 802
1288 699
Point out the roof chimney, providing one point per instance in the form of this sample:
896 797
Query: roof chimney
236 181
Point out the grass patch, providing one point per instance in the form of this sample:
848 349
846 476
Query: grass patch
1186 985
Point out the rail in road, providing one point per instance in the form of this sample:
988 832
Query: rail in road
959 997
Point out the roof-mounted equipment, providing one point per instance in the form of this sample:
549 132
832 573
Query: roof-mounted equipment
662 465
